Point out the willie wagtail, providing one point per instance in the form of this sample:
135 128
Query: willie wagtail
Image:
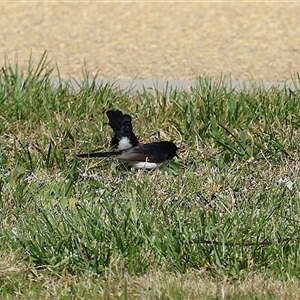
144 156
124 137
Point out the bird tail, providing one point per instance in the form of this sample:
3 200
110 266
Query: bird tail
99 154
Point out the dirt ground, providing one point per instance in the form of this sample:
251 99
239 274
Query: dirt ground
147 40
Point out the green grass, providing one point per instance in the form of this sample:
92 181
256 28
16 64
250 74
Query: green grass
221 222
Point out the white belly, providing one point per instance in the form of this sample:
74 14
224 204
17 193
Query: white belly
144 165
124 143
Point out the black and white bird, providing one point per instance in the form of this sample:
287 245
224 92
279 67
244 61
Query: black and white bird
124 137
145 156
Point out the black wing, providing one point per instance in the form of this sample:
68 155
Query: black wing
151 152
